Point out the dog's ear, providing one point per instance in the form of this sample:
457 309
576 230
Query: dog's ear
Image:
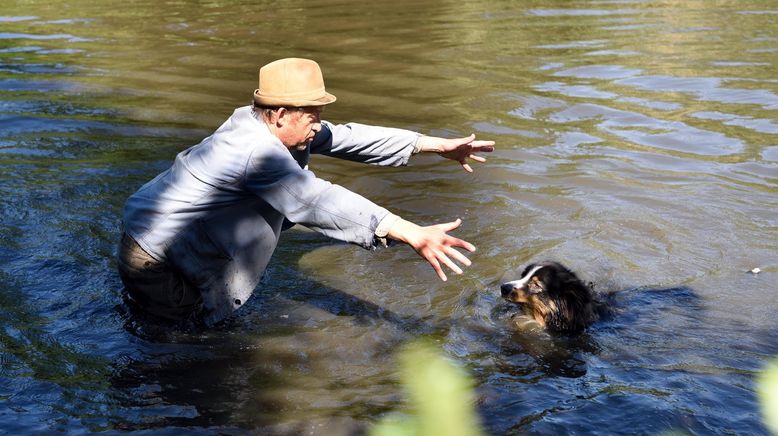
536 286
578 291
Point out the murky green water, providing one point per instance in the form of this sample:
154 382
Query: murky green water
637 143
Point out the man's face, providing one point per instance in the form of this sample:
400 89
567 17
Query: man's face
301 126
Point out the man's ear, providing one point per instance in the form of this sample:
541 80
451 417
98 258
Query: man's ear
281 116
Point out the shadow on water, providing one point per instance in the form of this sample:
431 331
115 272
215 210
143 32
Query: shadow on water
207 380
244 372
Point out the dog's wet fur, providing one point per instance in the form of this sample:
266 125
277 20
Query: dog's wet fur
554 297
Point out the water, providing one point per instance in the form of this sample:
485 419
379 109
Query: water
637 143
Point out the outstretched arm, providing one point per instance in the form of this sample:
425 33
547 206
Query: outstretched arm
458 149
433 244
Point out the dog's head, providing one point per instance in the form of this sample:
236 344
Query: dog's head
553 295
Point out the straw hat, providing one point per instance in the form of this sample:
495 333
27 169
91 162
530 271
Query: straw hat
292 82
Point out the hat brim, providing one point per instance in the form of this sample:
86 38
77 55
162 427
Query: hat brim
264 100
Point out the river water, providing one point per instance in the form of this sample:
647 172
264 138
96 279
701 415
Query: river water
637 143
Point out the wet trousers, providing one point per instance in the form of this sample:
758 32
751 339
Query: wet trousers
154 286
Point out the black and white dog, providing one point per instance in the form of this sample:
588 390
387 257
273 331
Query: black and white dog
554 297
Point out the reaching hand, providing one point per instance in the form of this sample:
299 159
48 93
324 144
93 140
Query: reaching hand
434 244
458 149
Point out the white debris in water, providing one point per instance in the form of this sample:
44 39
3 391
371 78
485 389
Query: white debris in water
756 271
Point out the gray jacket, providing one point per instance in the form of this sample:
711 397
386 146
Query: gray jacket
217 213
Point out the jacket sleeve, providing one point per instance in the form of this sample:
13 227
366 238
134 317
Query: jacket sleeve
376 145
274 176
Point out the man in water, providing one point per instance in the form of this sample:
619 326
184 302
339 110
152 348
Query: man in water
197 238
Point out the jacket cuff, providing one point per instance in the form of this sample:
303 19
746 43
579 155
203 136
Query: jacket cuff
417 144
383 229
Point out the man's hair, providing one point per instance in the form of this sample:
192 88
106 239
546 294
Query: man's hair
268 111
265 111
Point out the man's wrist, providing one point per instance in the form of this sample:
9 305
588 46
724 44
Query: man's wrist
431 144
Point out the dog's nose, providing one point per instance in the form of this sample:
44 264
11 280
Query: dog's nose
506 289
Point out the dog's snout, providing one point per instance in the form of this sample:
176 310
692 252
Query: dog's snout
506 289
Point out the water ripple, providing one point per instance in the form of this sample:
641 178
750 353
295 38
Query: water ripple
640 129
39 37
705 89
582 12
635 143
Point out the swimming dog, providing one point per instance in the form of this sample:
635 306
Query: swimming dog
554 297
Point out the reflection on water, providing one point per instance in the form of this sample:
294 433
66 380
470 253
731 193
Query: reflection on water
636 144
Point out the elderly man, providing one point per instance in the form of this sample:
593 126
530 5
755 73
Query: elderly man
197 238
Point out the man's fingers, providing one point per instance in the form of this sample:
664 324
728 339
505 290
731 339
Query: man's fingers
461 243
483 145
467 167
447 227
477 158
452 241
440 249
449 263
443 258
460 142
436 266
458 256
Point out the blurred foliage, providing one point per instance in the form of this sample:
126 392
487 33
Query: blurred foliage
441 397
440 394
767 389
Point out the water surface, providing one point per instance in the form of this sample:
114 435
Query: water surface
637 143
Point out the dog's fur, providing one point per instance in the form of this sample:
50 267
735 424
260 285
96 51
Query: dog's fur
554 297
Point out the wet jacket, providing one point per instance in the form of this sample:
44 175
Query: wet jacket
217 213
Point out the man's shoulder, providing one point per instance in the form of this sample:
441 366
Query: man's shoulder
244 124
244 117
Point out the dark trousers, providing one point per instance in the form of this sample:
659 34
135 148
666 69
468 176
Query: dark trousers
154 286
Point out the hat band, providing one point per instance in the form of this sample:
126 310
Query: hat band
307 94
310 99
